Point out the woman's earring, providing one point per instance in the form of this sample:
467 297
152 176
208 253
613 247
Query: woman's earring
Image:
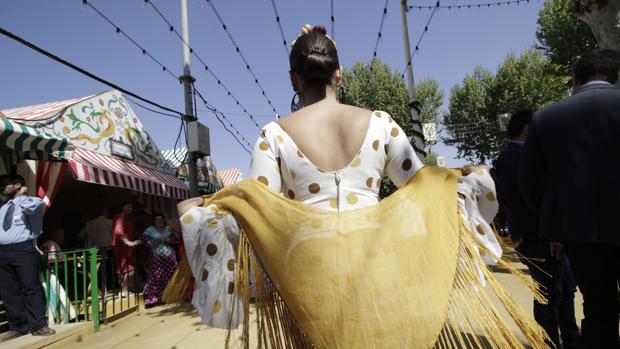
297 101
341 95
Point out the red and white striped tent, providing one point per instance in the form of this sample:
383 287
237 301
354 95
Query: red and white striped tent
230 176
90 124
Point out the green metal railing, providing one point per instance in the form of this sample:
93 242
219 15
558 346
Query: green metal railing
63 299
83 285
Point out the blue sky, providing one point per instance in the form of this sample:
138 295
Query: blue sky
456 42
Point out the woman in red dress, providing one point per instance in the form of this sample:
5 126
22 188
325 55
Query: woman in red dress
124 241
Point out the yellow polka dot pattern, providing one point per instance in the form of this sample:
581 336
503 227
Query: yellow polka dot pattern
280 139
352 199
357 162
369 182
394 132
377 114
491 196
333 203
217 306
187 219
263 146
263 180
314 188
375 145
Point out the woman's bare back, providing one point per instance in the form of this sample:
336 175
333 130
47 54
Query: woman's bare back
328 133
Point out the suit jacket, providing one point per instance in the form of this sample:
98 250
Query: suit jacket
522 221
570 170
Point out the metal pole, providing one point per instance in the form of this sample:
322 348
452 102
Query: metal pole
189 106
418 136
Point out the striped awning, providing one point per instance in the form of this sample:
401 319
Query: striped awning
229 176
92 167
40 112
29 142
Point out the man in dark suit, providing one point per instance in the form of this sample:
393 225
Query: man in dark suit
554 274
570 174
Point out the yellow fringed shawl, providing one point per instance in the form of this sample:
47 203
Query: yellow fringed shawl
400 274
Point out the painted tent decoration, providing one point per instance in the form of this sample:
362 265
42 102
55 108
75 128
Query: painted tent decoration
94 123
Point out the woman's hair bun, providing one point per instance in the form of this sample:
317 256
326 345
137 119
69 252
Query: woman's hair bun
314 56
319 29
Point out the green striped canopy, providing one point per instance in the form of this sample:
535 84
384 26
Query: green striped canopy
29 143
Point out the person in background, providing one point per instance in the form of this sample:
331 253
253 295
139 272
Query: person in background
554 274
569 175
162 262
20 263
56 239
124 240
98 231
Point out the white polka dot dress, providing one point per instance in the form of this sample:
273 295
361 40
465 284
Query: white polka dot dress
211 234
280 164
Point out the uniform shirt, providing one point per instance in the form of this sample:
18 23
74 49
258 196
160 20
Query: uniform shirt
27 220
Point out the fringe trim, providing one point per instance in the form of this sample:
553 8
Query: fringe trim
180 285
277 328
472 319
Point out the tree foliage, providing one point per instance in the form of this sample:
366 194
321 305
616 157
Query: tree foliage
529 81
376 86
430 96
562 36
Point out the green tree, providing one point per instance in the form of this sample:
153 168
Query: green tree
561 35
376 86
431 159
430 96
529 81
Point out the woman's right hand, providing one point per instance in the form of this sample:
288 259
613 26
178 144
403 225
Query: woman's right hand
188 204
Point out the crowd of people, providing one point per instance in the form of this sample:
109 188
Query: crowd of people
24 243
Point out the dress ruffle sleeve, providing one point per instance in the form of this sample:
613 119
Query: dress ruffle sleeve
478 207
211 236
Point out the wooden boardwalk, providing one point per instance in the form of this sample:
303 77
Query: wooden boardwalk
169 327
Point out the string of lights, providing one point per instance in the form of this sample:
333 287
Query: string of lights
417 45
232 113
208 70
379 33
219 114
241 55
87 73
333 20
470 6
172 29
275 11
134 42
